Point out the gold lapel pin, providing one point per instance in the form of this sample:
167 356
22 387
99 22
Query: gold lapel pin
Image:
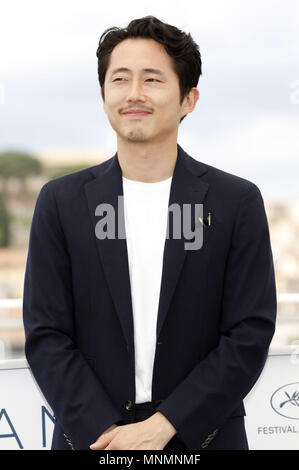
209 219
206 221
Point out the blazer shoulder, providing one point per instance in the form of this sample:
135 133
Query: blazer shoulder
72 183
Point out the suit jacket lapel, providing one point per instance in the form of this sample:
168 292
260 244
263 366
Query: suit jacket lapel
186 188
106 188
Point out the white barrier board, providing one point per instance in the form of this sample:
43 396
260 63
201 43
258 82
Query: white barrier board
26 420
272 406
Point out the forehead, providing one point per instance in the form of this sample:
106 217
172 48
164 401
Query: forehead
140 53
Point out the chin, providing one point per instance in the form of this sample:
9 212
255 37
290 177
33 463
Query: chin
136 136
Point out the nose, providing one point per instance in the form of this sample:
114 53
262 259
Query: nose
136 91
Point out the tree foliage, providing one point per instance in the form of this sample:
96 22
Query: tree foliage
19 165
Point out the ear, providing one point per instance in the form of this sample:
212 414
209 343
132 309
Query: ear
190 100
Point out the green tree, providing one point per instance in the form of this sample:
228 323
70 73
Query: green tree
4 223
18 165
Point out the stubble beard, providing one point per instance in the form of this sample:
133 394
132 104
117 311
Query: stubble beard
136 135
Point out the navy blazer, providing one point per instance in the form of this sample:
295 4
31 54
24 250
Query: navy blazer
216 314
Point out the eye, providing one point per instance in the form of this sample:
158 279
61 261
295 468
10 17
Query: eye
125 79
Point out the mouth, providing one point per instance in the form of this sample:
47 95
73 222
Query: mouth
137 114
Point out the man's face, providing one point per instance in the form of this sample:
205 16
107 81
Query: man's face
136 88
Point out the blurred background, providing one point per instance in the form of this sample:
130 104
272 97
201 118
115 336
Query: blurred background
52 121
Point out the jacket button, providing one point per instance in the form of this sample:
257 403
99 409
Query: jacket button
129 405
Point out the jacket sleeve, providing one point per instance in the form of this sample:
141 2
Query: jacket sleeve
218 383
78 399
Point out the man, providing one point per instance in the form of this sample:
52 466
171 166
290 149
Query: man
138 342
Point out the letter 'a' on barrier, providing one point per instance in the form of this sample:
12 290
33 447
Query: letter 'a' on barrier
13 433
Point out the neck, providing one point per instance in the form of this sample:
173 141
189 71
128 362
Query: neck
147 162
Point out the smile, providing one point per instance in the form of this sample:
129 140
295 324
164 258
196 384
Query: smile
137 114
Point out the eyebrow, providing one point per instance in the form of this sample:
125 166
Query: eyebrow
125 69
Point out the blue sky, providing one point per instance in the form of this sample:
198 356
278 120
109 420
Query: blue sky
245 122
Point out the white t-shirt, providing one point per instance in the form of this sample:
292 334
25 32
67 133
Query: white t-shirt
145 211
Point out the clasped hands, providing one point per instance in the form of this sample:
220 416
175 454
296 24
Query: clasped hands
151 434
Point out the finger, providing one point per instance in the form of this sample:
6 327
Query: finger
99 444
103 440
